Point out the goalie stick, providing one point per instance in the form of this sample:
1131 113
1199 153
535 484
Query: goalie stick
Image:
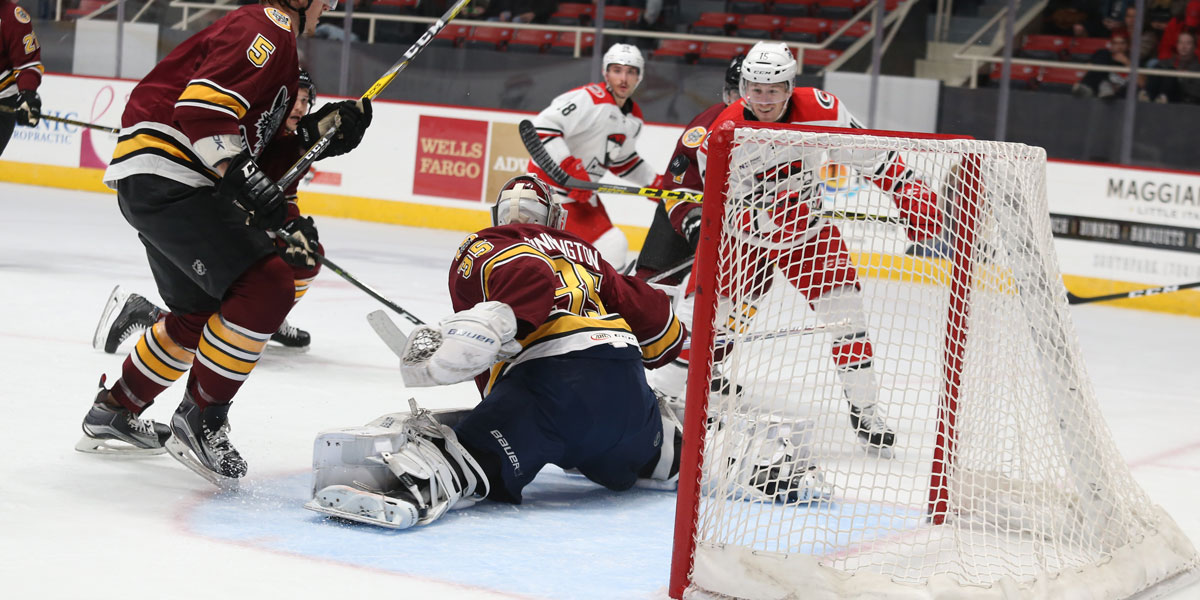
721 340
376 88
67 121
1072 299
537 151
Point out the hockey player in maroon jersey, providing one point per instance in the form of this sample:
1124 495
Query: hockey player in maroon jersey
187 170
786 232
669 242
557 341
20 71
593 129
127 314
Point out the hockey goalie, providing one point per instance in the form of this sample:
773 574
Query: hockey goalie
557 342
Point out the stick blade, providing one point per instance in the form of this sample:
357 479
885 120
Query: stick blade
387 331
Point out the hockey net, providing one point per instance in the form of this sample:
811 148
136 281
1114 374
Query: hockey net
1003 480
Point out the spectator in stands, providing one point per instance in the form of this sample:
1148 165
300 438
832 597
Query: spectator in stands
1103 84
1188 20
520 11
1179 89
1077 18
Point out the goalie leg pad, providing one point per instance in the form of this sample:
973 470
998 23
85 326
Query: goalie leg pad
767 460
402 470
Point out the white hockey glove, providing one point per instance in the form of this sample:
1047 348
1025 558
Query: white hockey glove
464 344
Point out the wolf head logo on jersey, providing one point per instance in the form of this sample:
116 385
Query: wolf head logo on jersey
269 122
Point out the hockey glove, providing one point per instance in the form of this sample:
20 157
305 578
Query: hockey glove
919 207
251 190
464 345
300 251
351 119
690 228
28 108
574 167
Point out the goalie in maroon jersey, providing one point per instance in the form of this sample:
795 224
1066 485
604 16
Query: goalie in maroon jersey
558 342
192 173
775 214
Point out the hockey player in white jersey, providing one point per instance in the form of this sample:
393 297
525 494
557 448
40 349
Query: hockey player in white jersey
593 129
775 207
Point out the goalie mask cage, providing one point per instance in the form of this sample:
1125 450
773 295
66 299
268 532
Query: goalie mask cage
1003 482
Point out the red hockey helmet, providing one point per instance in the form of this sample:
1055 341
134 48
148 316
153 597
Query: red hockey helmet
527 199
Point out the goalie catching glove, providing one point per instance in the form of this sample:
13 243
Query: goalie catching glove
464 345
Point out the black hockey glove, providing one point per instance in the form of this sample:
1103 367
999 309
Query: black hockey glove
300 251
691 229
352 122
251 190
29 108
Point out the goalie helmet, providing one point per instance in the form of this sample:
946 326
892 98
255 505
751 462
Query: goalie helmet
624 54
527 199
768 62
733 80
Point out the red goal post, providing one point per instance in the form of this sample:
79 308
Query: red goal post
938 326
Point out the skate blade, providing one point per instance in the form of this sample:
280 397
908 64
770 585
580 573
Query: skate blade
114 448
315 506
115 301
180 452
877 451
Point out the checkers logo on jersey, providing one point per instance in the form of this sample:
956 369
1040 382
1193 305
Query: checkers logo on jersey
694 136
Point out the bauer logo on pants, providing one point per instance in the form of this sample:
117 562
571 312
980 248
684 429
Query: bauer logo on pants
451 158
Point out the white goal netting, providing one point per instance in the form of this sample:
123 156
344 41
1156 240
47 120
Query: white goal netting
992 473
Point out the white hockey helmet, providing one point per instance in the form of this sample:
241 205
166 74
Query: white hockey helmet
624 54
769 62
527 199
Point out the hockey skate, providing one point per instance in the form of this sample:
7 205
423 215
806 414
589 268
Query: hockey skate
871 429
124 315
200 440
427 473
291 336
766 459
116 431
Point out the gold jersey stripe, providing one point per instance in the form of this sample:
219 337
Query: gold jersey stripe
148 359
145 140
227 362
202 93
236 340
511 253
168 345
654 350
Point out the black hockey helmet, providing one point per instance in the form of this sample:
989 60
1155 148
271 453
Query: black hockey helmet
306 83
733 78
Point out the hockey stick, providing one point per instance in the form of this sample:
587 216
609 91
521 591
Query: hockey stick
10 110
1072 299
686 264
537 151
721 340
352 279
376 88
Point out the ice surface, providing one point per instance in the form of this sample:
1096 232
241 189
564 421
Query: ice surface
75 525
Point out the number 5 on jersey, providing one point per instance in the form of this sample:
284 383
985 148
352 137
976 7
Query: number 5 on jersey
260 50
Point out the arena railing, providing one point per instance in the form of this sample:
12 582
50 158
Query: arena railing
894 17
963 52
